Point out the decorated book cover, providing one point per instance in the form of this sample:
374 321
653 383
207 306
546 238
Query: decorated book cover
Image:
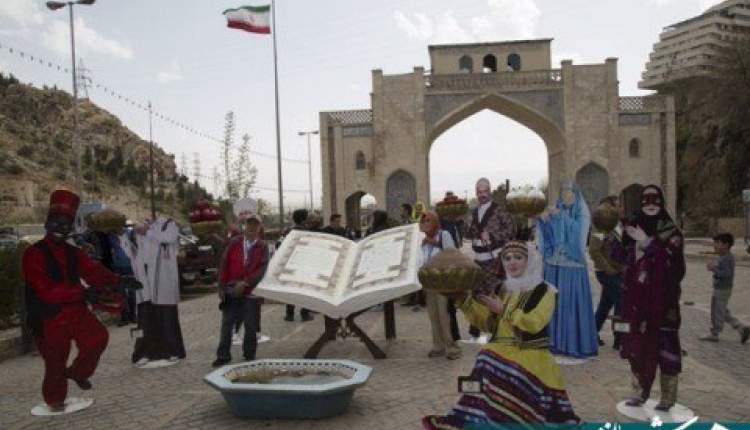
336 276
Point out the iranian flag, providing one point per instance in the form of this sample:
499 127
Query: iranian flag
255 19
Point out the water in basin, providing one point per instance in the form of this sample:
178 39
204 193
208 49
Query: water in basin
289 377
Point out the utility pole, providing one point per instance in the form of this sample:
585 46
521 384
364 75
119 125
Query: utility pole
84 80
196 166
151 160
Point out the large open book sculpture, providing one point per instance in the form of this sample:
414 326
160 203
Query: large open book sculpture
336 276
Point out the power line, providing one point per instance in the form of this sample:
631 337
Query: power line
106 90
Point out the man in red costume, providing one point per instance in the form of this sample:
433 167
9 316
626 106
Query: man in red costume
56 302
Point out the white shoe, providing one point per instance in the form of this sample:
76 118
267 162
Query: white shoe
237 339
174 359
142 362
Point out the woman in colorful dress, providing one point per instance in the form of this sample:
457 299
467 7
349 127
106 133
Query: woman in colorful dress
519 380
562 236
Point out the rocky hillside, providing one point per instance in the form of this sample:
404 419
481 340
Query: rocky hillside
713 142
36 157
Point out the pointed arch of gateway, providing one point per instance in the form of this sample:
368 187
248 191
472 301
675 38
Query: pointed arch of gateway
540 123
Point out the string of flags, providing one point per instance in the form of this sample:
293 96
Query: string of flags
130 101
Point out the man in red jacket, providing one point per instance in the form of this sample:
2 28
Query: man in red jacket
56 303
242 267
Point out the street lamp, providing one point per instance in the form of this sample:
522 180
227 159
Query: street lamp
309 163
55 5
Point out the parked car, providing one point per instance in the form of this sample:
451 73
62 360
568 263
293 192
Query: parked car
194 260
8 242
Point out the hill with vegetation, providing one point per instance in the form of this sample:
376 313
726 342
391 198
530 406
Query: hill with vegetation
36 157
713 141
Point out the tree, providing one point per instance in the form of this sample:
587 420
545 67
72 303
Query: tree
183 165
264 207
245 172
115 164
226 154
713 133
87 156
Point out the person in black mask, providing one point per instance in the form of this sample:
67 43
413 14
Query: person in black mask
57 303
655 266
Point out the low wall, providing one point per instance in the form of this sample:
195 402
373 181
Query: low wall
736 226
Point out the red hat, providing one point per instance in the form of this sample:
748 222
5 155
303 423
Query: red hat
64 202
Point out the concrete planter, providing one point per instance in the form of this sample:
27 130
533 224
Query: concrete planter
289 388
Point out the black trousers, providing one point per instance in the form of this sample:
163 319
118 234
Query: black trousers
290 312
239 322
233 310
455 331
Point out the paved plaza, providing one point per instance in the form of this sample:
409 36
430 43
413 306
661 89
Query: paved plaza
402 388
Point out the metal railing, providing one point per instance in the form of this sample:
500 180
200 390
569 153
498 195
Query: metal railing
502 80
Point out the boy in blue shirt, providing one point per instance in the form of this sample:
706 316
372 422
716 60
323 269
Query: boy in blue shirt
723 281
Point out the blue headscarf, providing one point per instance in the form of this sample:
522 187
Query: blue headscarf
566 231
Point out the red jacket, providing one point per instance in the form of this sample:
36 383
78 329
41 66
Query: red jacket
36 276
234 267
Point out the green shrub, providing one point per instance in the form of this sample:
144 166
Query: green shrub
25 151
14 169
11 285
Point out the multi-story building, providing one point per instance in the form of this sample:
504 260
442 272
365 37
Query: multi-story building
691 48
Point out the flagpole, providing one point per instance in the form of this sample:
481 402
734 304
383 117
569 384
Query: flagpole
278 125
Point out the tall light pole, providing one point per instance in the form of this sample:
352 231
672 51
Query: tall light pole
309 163
55 5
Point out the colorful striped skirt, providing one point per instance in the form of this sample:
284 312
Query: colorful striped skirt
510 394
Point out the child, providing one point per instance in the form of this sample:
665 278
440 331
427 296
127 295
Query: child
723 270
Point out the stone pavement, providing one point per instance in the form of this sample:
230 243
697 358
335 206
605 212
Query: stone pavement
402 388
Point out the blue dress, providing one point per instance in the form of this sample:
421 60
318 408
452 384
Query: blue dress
562 243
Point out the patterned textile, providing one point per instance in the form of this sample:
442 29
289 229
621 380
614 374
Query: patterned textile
497 222
510 394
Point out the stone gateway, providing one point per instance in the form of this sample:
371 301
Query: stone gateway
605 142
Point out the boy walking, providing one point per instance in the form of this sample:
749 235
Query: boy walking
723 279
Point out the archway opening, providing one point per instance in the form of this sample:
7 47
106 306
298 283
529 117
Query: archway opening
465 64
594 183
514 62
358 208
489 64
486 144
400 188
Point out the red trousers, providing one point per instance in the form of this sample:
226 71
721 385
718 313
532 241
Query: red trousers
74 323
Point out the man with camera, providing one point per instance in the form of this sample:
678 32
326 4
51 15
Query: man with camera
242 267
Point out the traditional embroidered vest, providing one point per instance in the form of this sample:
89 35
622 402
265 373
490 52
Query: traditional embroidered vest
524 340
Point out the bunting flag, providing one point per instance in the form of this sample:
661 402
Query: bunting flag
255 19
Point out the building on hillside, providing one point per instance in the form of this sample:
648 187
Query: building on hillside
691 48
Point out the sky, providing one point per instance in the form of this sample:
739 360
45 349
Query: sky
179 55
